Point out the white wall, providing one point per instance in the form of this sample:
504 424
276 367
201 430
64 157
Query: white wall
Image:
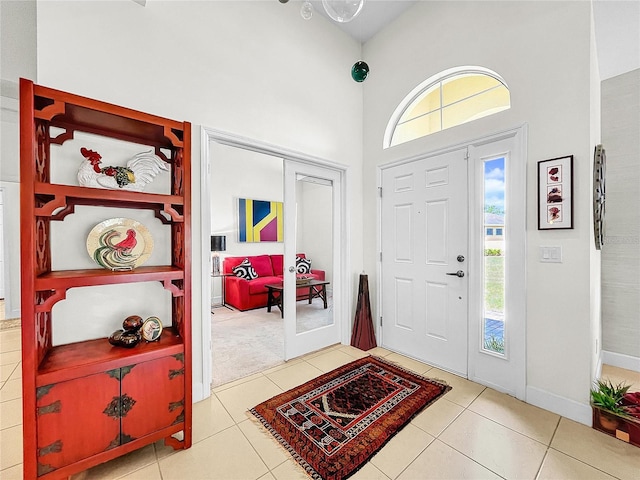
238 173
17 59
252 68
621 251
542 50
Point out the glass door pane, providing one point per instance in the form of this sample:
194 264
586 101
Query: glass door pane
494 256
314 241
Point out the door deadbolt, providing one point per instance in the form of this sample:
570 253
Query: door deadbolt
460 258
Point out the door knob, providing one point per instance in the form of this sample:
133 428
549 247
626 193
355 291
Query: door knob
459 273
292 269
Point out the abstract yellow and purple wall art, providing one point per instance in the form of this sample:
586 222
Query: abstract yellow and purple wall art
260 221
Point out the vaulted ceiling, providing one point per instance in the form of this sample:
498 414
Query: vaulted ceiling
617 26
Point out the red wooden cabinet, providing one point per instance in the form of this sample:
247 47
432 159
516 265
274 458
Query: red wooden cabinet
88 402
83 402
156 391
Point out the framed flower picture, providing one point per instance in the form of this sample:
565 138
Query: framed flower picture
555 193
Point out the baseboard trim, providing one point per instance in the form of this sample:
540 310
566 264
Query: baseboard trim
621 360
199 392
579 412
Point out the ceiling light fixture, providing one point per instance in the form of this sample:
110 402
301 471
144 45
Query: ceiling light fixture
306 11
342 11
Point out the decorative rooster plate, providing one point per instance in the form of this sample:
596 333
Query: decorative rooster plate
120 244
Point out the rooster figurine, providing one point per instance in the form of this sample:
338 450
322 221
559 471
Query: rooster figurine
140 171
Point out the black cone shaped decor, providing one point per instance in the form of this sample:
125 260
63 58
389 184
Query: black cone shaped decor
359 71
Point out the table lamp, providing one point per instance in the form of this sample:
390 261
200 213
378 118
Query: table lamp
218 244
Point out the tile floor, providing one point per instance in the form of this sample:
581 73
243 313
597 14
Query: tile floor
472 432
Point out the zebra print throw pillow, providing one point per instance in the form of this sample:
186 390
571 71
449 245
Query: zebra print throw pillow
245 270
303 265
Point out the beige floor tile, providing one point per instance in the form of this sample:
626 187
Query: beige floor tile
601 451
315 353
289 470
118 467
557 465
239 399
11 390
270 451
163 450
12 473
294 375
379 352
7 358
622 375
354 352
441 462
286 364
10 343
463 391
369 472
330 360
150 472
209 418
401 450
267 476
10 413
10 334
239 381
227 455
436 417
408 363
531 421
7 370
10 447
501 450
17 373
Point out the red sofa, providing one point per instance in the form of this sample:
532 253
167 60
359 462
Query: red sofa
248 294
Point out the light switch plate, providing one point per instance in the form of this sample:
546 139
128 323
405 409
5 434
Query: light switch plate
551 254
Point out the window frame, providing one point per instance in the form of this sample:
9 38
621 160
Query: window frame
428 84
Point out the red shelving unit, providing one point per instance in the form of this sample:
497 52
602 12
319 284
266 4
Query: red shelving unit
88 402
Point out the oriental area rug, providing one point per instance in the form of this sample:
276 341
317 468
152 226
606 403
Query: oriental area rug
334 423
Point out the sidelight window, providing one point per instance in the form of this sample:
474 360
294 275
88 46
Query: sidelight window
493 319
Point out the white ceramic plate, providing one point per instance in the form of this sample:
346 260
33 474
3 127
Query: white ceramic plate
120 244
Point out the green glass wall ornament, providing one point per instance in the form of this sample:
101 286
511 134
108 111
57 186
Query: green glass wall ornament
359 71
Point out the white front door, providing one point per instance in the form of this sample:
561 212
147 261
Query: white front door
424 260
313 199
497 301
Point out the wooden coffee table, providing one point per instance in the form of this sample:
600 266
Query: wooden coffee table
317 289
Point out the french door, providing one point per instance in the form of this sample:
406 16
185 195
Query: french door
424 260
313 201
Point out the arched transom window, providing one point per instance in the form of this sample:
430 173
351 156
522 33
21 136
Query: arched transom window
453 97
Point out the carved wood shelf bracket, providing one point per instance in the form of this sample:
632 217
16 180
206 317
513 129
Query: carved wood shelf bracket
173 288
63 137
47 113
55 297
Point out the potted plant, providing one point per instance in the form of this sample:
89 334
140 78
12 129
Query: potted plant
615 411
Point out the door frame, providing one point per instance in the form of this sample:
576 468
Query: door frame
209 135
520 135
